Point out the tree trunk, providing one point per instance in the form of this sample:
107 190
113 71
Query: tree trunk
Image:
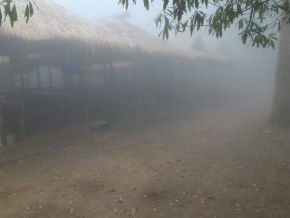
281 101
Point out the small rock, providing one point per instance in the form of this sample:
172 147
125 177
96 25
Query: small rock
70 202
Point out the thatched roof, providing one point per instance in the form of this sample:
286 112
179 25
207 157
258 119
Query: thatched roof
148 45
144 43
53 25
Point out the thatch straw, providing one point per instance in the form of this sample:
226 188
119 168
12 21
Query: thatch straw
148 45
53 23
141 42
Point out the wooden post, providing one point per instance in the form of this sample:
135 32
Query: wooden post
106 75
23 120
28 80
72 106
112 76
22 82
87 115
121 108
153 103
50 78
138 107
2 134
38 79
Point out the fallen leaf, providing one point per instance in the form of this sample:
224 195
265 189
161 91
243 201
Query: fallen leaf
71 210
126 210
134 211
156 206
111 190
70 202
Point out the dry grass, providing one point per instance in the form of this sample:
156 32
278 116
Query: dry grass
52 22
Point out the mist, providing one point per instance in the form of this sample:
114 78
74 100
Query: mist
100 117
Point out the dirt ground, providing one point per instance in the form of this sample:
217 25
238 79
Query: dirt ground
206 159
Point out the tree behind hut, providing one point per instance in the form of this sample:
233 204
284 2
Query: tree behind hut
281 103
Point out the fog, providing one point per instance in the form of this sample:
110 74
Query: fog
254 69
137 126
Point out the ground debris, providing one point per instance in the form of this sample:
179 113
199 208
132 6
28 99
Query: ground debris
134 211
97 126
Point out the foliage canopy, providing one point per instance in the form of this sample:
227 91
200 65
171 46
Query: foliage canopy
258 21
8 10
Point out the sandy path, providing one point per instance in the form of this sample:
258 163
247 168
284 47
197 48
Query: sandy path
192 161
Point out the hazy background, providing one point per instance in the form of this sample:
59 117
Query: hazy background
257 64
97 9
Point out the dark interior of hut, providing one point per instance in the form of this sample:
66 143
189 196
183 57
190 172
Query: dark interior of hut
55 95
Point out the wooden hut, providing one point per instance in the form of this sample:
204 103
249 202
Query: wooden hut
42 61
156 67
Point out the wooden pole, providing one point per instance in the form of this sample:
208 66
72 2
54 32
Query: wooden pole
153 103
138 107
23 120
121 108
2 133
38 78
50 78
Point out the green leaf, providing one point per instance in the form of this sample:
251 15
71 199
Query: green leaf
244 37
239 9
206 3
282 7
26 13
286 3
191 28
179 17
127 5
196 4
7 9
188 5
1 16
166 22
31 9
13 13
165 33
177 27
184 25
146 4
240 24
165 3
272 44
